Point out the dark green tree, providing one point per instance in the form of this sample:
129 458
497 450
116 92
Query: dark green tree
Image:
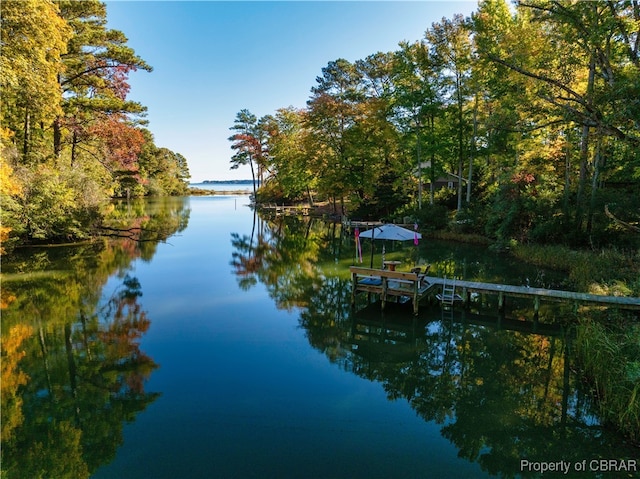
94 82
450 45
248 144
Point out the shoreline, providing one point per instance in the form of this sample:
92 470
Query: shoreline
207 192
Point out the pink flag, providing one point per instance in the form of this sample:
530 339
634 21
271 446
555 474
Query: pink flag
415 236
358 245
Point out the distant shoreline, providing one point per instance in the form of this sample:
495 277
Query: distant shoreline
194 191
227 182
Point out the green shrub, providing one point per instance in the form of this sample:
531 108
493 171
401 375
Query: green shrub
432 217
609 358
59 203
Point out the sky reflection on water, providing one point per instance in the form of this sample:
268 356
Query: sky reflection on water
243 394
261 370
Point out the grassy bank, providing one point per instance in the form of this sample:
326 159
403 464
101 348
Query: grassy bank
448 235
609 272
607 352
607 346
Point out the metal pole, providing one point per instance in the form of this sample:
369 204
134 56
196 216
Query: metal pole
373 232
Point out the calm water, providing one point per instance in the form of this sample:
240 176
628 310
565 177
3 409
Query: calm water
223 346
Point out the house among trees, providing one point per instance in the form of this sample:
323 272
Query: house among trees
446 180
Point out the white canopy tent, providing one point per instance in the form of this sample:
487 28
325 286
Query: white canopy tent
390 232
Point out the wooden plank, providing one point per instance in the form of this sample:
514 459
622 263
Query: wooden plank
383 273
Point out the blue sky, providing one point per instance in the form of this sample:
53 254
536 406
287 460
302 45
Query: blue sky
212 59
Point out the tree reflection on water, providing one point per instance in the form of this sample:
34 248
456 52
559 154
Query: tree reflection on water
73 372
502 388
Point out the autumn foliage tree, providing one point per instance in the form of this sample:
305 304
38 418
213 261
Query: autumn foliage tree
540 90
119 145
96 69
71 138
247 143
34 38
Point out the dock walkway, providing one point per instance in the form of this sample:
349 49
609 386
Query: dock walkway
395 284
286 209
503 290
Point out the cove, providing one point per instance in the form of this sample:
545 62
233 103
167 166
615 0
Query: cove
226 347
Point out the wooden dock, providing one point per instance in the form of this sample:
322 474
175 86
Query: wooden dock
287 210
398 284
389 284
465 288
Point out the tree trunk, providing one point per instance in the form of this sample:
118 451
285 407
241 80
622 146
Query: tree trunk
594 182
567 179
27 135
74 143
459 207
582 178
418 152
253 178
473 148
57 137
432 172
310 196
460 143
584 148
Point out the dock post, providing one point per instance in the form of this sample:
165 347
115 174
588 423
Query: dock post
383 296
500 301
354 285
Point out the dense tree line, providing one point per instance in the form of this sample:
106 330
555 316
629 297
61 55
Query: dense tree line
530 111
70 138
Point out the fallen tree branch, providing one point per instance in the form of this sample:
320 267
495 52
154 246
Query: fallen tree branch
133 233
624 224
